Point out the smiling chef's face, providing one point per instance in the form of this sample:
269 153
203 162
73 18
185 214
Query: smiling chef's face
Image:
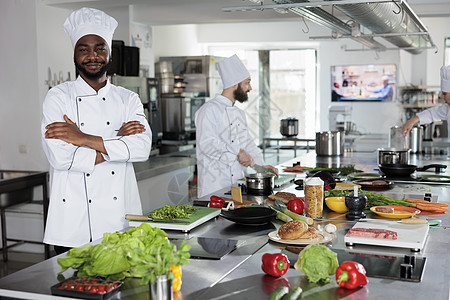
91 56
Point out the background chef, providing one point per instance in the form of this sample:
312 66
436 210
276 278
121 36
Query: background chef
437 113
224 145
92 132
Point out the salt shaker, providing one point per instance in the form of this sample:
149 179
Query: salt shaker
355 204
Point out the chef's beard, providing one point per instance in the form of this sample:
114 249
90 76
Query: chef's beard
93 76
240 95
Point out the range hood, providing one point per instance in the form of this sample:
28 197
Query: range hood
392 20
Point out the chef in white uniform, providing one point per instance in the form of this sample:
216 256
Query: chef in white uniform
92 132
224 145
437 113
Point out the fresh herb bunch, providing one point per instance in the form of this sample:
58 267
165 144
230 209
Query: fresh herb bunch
142 252
372 199
174 212
343 170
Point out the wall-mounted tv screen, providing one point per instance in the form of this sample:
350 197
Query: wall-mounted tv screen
364 82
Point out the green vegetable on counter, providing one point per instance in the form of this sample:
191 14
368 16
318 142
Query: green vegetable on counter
142 252
279 293
342 170
280 206
372 199
317 262
174 212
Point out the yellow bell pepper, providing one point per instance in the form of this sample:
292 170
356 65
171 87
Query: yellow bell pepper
176 270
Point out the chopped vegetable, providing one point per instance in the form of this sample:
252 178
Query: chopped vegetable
143 252
330 228
350 275
216 202
293 294
169 212
296 205
279 293
275 264
317 262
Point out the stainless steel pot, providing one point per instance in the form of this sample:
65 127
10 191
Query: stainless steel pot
428 132
330 143
389 156
289 127
260 183
415 139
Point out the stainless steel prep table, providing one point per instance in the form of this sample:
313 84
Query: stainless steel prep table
239 276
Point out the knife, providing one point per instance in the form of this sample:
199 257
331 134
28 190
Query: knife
261 169
146 218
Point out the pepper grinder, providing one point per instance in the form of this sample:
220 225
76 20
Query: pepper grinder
355 204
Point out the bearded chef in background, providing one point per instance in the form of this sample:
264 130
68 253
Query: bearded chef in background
224 145
92 131
437 113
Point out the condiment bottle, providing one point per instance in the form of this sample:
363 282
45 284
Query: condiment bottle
314 197
355 204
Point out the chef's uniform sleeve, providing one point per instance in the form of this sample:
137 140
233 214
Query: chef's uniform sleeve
134 147
434 114
62 155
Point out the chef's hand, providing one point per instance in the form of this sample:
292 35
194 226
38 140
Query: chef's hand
99 158
130 128
70 133
409 125
245 159
272 168
65 131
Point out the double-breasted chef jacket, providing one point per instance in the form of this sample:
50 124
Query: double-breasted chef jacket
221 132
88 200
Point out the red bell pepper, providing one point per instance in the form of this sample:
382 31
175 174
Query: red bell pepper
350 275
296 205
275 264
216 202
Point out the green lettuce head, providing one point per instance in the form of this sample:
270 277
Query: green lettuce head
317 262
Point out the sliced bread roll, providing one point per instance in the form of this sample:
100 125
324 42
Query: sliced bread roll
283 196
292 230
311 233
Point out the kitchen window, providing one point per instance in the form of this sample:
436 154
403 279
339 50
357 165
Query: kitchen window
447 52
292 89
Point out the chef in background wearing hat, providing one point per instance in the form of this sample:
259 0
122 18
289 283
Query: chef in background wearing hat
386 93
224 145
437 113
92 131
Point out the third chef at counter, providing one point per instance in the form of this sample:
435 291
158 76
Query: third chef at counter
224 145
437 113
92 132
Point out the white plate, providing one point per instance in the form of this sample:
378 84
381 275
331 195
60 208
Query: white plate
322 238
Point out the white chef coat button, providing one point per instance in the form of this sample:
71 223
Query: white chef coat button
112 172
231 124
88 174
232 175
90 201
107 123
114 198
104 99
64 200
232 141
79 99
82 124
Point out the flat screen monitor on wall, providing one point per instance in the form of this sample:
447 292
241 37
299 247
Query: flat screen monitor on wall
364 83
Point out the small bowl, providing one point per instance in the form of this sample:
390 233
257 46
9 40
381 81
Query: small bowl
336 204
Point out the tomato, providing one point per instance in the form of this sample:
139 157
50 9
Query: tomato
79 287
328 188
101 289
296 205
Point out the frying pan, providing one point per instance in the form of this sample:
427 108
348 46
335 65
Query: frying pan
407 170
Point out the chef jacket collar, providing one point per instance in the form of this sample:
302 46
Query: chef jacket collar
88 90
226 101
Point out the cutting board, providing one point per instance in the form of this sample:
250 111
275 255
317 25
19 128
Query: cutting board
202 215
411 236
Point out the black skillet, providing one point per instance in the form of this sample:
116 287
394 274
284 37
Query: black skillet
407 170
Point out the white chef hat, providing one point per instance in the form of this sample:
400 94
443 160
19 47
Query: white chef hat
445 79
232 71
90 21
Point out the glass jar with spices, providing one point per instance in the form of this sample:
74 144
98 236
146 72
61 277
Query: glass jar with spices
314 197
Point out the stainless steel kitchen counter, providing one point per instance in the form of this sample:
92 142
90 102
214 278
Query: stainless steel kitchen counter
238 275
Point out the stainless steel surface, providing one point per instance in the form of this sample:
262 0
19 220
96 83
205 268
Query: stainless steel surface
173 110
330 143
260 182
161 289
393 156
239 276
415 139
289 127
